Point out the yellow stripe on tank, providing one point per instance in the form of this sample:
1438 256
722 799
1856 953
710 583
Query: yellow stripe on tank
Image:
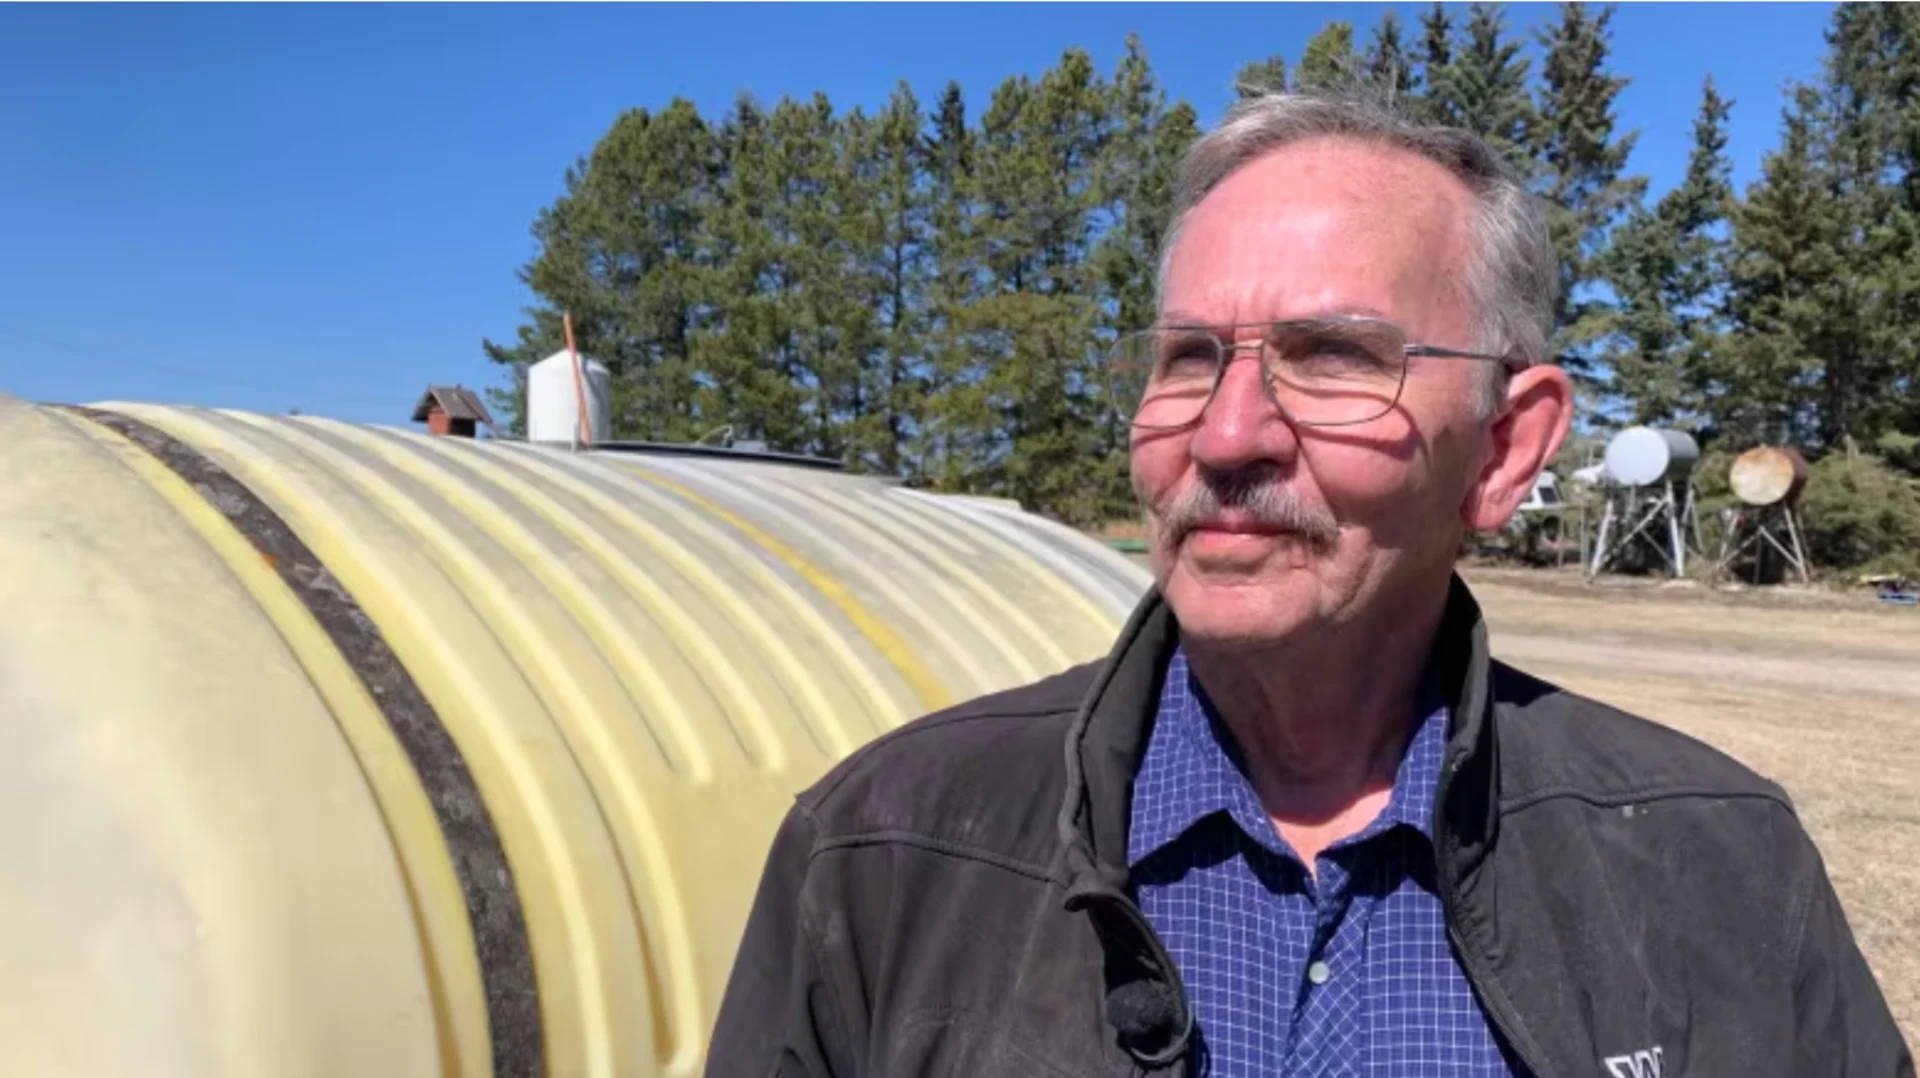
744 714
953 521
862 542
1067 578
1038 641
584 483
824 719
932 693
956 584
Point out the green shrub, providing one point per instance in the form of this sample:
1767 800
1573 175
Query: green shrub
1861 515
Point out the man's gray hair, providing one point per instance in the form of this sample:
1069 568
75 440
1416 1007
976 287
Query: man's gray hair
1514 274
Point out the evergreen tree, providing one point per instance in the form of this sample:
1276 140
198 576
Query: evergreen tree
775 362
1483 85
1267 76
1786 272
1871 105
621 250
749 290
1137 170
1389 68
1436 65
997 241
1328 62
1138 167
1825 281
1037 193
830 327
924 295
1667 267
890 179
880 205
943 438
1581 159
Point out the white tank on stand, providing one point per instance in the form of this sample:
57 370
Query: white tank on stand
1649 471
553 400
1643 456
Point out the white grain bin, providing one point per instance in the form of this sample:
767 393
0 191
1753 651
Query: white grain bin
1642 456
553 400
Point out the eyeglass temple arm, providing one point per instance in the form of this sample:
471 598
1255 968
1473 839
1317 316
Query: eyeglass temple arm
1517 363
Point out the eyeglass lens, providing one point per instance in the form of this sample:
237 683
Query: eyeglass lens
1320 373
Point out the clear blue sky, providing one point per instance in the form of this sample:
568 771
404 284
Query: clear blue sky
323 208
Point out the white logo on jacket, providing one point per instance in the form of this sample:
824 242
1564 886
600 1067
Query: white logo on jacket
1642 1064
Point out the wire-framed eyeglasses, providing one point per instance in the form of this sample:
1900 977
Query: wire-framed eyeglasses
1323 372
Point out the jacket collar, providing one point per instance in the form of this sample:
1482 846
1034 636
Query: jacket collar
1104 746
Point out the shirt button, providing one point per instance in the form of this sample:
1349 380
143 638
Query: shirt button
1318 973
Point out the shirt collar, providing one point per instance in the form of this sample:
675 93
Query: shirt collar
1190 772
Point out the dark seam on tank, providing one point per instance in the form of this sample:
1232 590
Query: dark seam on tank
479 860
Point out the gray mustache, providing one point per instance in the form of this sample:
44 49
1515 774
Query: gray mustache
1258 494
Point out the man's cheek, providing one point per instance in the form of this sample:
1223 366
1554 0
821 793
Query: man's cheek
1354 481
1156 467
1386 501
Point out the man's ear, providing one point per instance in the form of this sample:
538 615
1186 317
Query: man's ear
1524 437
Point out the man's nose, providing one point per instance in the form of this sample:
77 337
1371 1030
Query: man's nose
1242 424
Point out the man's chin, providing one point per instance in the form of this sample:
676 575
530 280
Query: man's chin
1241 612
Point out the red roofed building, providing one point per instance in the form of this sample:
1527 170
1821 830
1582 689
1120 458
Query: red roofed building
451 411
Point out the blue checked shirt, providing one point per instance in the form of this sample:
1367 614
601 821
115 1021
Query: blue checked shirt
1346 974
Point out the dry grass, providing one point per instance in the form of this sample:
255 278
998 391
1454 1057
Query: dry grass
1818 692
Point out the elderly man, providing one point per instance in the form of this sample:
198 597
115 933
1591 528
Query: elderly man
1298 822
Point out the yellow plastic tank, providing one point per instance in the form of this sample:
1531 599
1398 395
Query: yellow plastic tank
336 750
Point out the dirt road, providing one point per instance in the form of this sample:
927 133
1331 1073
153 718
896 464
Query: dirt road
1819 694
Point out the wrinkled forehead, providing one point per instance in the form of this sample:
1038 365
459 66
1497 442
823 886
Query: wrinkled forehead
1326 227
